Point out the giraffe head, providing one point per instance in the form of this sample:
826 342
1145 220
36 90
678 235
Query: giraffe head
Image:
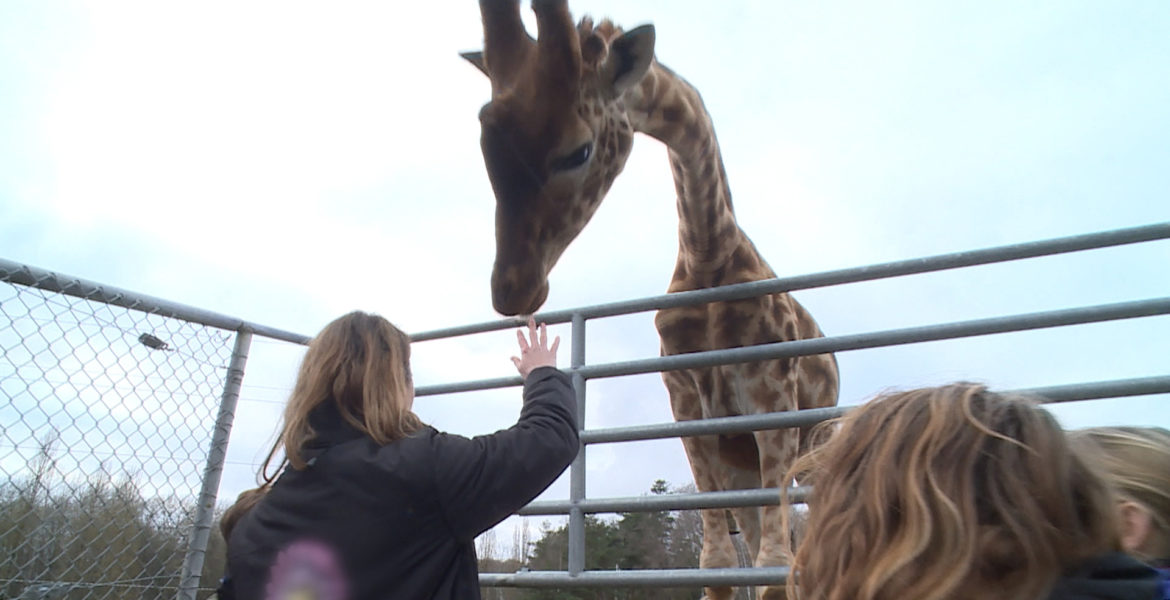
554 135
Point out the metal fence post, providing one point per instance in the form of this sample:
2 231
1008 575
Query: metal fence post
205 510
577 472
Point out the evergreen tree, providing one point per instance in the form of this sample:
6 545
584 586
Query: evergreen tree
644 537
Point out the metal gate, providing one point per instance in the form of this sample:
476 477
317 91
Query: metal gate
577 505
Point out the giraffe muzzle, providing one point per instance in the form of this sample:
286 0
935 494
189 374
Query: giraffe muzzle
513 294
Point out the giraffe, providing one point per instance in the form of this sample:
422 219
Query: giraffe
557 132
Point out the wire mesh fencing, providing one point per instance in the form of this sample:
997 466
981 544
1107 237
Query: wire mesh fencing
105 419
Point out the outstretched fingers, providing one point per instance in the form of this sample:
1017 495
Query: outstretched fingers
534 349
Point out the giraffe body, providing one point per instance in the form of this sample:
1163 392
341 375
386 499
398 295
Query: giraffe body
556 134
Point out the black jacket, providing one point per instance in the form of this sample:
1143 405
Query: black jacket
401 519
1113 576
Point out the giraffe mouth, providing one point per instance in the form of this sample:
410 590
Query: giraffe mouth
512 295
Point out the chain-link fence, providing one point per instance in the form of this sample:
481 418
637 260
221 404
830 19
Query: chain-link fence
114 414
106 420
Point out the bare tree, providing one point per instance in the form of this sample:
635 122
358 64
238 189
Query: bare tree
521 543
486 546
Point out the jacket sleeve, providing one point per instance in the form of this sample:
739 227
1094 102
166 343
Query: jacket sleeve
482 480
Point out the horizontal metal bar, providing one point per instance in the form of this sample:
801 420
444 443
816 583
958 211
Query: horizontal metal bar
469 386
938 262
800 418
42 279
713 426
889 337
637 578
841 343
725 499
1117 388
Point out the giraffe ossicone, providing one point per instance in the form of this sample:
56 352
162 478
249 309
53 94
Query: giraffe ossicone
555 135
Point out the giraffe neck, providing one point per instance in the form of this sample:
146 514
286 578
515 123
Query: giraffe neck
670 110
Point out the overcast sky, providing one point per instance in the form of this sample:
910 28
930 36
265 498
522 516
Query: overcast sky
286 162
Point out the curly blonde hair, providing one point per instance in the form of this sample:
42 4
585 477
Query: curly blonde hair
952 492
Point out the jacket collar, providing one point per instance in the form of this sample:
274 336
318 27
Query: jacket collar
329 427
1113 575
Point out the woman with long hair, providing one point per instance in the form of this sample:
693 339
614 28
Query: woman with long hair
368 502
956 493
1136 463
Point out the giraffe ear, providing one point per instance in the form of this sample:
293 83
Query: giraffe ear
629 58
476 58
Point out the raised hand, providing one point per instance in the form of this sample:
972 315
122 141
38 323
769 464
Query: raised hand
535 351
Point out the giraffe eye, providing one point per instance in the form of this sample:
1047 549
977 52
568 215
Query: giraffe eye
575 158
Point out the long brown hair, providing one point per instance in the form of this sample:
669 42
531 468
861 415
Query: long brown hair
361 363
1136 462
952 492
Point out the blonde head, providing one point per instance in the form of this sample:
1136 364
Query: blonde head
361 364
1136 462
952 492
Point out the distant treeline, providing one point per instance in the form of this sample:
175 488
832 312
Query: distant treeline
95 538
634 540
70 540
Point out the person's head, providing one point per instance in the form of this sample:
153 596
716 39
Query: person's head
360 364
952 492
1136 463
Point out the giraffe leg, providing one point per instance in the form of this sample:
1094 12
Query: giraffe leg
702 454
718 549
743 477
778 448
748 521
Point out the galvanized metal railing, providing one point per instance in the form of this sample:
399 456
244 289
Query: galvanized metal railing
577 505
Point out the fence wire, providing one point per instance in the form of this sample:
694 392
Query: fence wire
104 421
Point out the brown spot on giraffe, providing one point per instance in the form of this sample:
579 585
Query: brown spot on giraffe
557 131
770 462
740 451
687 327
